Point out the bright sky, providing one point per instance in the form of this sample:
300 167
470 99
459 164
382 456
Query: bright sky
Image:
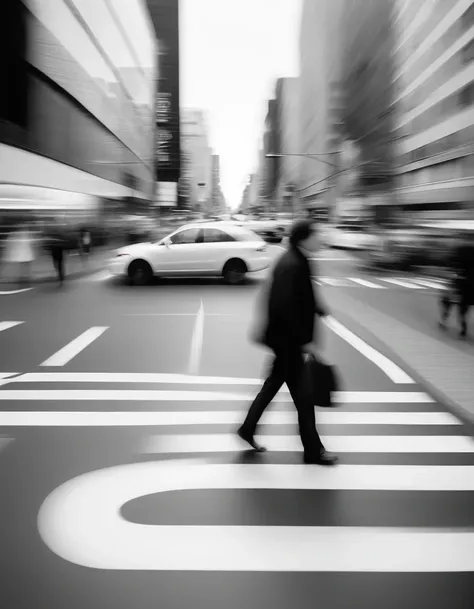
232 51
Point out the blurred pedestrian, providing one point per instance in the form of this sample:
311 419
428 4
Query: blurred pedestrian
57 246
288 330
85 243
20 251
461 290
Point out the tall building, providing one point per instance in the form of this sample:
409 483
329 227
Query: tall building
195 144
165 17
77 103
434 107
320 48
271 145
287 96
218 200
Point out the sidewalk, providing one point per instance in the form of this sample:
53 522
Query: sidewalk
43 271
447 372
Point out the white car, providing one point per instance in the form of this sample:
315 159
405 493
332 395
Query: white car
214 249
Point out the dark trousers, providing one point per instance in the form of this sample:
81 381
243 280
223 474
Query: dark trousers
288 367
58 261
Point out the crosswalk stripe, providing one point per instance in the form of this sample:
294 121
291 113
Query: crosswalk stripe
69 351
403 284
367 284
333 281
162 418
213 443
365 397
436 285
6 325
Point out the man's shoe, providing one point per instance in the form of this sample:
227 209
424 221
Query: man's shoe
324 458
250 440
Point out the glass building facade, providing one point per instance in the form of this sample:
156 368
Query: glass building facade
77 112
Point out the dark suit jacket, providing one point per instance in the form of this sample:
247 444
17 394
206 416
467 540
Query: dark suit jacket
291 304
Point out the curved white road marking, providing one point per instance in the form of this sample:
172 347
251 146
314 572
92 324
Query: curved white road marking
8 292
6 325
389 368
234 417
80 521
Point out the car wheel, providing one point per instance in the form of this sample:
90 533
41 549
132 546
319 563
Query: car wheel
234 271
140 272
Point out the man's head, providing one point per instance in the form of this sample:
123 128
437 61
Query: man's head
303 234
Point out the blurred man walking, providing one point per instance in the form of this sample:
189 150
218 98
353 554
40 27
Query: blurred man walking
288 330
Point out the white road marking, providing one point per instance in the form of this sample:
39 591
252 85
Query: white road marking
431 284
6 325
9 292
402 284
389 368
367 284
196 342
6 375
213 443
67 353
139 419
333 281
135 377
81 522
125 395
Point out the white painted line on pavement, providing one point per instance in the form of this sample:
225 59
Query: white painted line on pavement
367 284
402 284
124 395
9 292
145 419
135 377
99 276
6 375
81 522
431 284
67 353
389 368
213 443
6 325
196 342
333 281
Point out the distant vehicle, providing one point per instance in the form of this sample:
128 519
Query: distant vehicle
205 250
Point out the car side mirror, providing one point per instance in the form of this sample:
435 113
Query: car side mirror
166 242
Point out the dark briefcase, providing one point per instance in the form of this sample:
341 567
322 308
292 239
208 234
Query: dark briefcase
322 381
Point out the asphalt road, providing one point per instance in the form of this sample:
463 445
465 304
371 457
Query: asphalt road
122 483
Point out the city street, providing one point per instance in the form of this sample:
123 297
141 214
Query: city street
123 484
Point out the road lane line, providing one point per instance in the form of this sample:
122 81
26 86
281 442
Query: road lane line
194 418
6 377
389 368
135 377
122 395
68 352
431 284
6 325
367 284
333 281
81 521
196 342
214 443
402 284
9 292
